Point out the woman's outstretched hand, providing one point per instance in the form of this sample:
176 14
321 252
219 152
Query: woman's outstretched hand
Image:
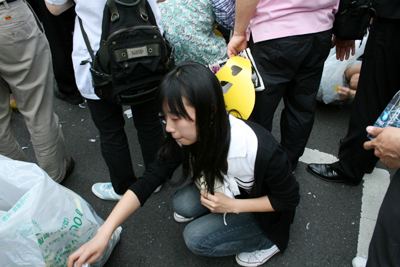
93 249
90 251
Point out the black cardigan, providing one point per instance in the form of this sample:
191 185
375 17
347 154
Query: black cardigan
272 177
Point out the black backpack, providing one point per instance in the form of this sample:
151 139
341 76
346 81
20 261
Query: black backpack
133 55
353 19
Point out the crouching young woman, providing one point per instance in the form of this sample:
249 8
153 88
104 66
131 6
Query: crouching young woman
242 196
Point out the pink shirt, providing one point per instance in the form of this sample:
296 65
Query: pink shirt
281 18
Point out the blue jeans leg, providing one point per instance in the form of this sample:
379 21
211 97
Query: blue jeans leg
186 202
209 236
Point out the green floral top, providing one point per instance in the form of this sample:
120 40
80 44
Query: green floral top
189 27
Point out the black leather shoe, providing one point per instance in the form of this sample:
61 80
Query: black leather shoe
369 170
327 173
370 166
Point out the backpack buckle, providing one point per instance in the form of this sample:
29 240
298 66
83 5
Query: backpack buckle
114 17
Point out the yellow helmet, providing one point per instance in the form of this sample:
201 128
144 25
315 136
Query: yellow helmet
237 86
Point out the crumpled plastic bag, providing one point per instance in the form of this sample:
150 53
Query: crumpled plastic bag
42 222
333 73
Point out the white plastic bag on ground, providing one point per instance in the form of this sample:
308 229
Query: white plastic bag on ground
42 222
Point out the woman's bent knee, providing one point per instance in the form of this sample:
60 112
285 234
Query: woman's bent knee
196 242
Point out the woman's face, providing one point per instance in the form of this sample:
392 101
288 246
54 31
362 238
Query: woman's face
182 130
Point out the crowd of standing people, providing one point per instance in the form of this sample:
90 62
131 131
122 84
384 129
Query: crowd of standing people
242 181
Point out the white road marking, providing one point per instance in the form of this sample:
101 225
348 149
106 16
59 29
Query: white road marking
374 189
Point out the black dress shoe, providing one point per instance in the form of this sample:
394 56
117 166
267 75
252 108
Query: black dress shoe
369 170
370 166
327 173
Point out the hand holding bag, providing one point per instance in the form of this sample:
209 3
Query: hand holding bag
42 222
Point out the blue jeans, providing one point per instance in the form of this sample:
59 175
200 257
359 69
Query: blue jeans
109 120
207 235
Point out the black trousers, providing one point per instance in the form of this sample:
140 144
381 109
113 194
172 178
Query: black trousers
291 68
379 82
384 249
59 32
109 120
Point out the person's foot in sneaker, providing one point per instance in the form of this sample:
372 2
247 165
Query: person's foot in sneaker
182 219
257 257
158 189
105 191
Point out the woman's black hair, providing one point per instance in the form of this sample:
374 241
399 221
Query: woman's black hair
201 89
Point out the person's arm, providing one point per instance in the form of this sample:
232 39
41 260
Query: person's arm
220 203
58 9
352 70
244 11
92 250
386 145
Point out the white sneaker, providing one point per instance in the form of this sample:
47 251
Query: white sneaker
105 191
182 219
359 262
257 257
157 189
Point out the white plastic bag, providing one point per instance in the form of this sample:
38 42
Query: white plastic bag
43 222
333 74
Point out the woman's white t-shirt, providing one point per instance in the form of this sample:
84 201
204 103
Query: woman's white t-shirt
241 158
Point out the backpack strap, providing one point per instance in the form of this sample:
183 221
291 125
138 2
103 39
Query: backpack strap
113 10
86 39
94 63
142 9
